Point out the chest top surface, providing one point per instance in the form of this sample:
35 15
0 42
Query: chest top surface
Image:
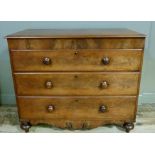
76 33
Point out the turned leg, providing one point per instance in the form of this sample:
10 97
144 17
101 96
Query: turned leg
128 126
25 126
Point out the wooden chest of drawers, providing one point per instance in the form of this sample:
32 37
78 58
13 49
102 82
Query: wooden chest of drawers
76 79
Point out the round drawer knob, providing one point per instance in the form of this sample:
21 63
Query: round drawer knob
47 61
76 52
48 84
105 60
102 108
103 85
50 108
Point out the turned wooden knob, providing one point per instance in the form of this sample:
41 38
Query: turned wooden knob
48 84
76 52
50 108
102 108
103 85
47 61
105 60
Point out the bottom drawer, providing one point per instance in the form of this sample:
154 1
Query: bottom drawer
107 108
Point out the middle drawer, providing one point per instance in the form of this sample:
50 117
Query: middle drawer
77 83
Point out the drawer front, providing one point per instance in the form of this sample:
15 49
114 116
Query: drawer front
78 83
77 60
74 108
103 43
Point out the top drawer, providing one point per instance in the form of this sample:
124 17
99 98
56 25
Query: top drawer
51 44
77 60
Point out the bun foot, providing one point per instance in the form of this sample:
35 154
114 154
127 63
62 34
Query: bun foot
25 126
128 127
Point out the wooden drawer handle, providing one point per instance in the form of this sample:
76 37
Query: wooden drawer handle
103 108
47 61
103 85
48 84
76 52
50 108
105 60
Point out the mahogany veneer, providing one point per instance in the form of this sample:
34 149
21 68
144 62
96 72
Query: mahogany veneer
76 79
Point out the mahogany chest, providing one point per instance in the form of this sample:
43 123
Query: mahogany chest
76 78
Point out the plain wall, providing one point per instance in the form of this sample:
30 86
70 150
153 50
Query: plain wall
147 89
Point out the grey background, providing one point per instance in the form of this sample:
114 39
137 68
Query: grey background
147 91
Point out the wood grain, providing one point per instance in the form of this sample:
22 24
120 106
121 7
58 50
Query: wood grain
77 60
86 43
74 81
77 83
73 109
